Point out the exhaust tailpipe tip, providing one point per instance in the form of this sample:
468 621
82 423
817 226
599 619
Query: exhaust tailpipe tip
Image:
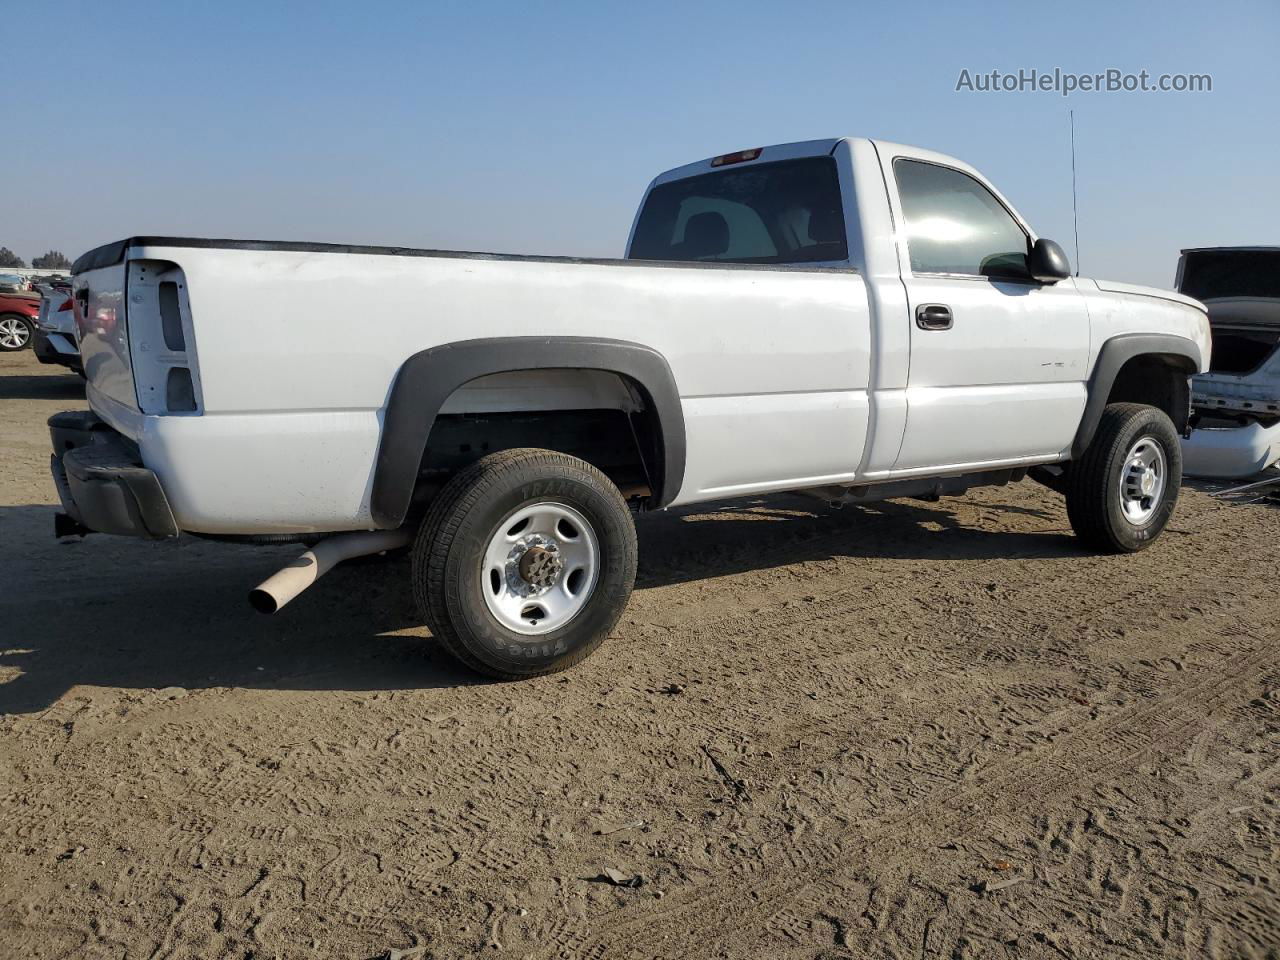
290 580
262 600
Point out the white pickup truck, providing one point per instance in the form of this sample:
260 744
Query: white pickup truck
851 318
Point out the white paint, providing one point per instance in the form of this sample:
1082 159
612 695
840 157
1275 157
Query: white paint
754 443
276 472
975 425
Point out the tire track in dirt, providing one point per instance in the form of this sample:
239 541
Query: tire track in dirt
841 607
471 854
1079 760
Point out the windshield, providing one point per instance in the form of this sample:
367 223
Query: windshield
1209 274
783 212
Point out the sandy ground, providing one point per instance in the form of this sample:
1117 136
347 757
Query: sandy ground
913 730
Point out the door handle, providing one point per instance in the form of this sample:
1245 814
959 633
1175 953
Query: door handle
933 316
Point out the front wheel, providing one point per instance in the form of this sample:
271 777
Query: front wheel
524 563
1122 492
15 332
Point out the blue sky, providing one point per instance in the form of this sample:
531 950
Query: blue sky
534 127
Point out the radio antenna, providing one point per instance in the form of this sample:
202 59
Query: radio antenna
1075 206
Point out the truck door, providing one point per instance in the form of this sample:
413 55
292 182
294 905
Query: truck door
998 360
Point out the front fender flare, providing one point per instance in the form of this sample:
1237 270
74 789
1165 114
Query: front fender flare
1115 353
426 380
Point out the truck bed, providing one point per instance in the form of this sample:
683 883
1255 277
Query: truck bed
294 349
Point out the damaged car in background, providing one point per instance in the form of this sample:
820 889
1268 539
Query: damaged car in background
1236 405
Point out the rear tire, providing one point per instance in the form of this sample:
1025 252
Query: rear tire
524 563
1122 492
15 332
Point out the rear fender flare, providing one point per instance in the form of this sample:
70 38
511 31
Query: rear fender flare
428 378
1115 353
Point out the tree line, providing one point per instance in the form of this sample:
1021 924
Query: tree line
53 260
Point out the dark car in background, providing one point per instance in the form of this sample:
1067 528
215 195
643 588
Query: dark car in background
55 281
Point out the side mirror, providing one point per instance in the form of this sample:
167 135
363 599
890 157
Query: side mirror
1047 262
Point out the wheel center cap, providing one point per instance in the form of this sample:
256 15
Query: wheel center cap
1148 482
540 566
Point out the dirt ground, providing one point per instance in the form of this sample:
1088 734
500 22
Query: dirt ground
908 730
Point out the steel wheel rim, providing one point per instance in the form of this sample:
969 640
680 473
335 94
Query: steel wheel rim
14 333
539 568
1143 480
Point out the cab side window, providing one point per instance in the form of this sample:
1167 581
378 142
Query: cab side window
955 225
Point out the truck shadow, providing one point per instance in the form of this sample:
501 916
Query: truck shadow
116 612
56 386
710 540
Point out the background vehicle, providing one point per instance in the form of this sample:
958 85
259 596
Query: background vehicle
13 283
18 313
54 339
55 281
1237 402
850 318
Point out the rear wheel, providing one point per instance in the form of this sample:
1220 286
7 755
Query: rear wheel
15 332
1121 493
524 563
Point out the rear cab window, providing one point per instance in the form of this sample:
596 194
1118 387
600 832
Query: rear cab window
788 211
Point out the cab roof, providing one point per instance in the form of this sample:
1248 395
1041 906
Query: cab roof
768 154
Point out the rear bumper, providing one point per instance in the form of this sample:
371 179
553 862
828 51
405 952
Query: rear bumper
102 483
1230 453
55 348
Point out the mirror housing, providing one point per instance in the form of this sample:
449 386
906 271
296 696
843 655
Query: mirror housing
1047 262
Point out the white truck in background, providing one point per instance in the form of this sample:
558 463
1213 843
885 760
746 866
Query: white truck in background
851 318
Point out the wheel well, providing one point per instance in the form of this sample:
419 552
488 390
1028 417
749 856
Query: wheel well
1157 380
603 418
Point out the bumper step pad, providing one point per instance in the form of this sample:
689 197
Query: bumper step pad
101 482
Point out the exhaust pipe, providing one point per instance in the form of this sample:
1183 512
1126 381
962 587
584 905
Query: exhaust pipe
285 584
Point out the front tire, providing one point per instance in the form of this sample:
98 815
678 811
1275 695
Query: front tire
1121 493
524 563
15 332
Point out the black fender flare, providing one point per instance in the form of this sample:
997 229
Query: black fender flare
427 379
1115 353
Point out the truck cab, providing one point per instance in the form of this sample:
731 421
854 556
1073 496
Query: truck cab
983 341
